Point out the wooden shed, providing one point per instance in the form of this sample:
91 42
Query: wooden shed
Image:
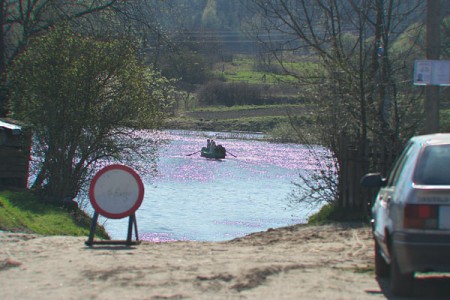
15 146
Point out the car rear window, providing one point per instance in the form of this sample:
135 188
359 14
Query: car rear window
433 167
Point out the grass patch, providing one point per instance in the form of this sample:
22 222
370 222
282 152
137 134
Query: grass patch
247 69
25 212
331 213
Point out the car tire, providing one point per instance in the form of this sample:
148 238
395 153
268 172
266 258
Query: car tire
401 283
381 266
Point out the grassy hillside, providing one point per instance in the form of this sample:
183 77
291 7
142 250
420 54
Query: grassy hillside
248 69
22 211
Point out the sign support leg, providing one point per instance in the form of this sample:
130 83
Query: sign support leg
90 241
135 228
131 222
130 229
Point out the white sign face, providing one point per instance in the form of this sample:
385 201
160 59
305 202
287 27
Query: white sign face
116 191
432 72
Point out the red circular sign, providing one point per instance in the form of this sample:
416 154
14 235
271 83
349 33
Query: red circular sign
116 191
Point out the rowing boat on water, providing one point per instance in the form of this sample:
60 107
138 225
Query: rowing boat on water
218 152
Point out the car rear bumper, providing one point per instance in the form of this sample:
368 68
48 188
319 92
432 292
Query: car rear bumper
422 252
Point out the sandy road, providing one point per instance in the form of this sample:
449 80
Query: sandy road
298 262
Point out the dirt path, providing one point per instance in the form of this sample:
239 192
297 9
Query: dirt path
299 262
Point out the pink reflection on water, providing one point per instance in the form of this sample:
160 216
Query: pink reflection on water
191 171
285 156
258 158
156 237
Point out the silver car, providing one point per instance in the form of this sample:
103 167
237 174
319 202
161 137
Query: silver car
411 213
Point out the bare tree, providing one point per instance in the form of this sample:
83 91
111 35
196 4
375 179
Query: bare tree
363 93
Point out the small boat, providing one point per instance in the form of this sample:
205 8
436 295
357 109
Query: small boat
218 152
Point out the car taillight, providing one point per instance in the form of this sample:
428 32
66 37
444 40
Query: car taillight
421 216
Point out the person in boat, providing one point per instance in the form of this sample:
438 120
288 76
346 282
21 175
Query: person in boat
208 144
212 146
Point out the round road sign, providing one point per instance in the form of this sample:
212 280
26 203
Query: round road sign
116 191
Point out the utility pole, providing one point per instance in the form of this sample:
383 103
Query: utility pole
433 50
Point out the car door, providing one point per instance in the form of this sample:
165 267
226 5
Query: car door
385 202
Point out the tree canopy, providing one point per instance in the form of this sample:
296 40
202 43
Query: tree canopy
85 99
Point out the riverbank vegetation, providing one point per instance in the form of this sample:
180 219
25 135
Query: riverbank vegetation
277 121
332 213
76 125
22 211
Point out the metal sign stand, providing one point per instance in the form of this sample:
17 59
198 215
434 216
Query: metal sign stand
131 223
116 192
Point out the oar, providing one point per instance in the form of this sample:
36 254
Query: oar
193 153
230 153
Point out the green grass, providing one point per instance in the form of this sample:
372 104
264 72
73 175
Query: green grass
24 212
331 213
242 69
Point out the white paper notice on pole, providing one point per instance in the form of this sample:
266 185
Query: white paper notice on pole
432 72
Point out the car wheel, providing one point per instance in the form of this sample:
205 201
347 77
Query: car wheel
401 283
381 267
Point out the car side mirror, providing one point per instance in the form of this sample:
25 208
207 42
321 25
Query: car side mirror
373 180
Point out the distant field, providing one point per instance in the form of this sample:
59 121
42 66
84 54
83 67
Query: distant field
253 119
247 69
275 111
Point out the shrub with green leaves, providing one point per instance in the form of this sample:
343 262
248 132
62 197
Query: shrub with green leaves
84 99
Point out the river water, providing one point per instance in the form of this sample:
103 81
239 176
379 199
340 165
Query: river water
194 198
